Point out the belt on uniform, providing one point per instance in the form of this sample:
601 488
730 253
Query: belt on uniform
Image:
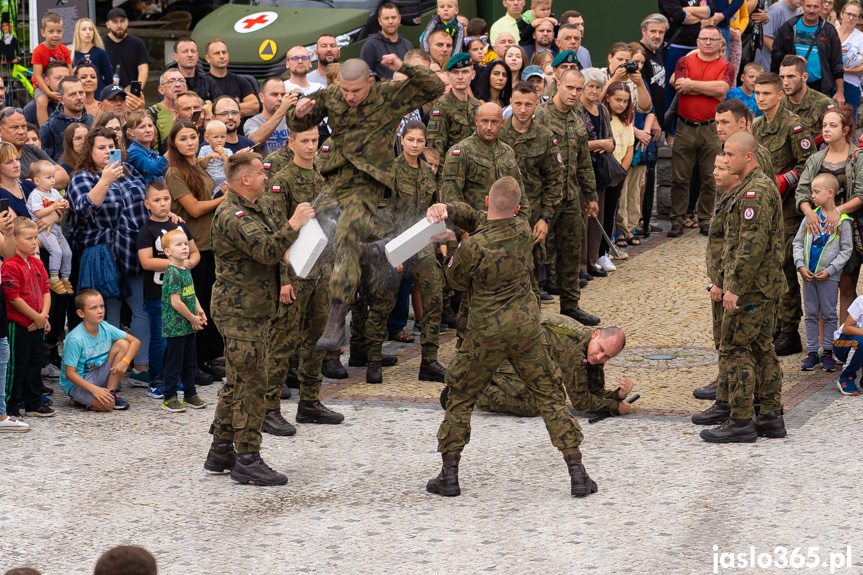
695 124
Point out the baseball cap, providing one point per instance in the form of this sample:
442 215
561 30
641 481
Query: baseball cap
116 13
111 91
532 71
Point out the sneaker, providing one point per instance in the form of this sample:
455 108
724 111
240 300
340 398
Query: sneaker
44 411
57 287
51 372
604 263
139 378
846 386
155 392
69 287
119 402
194 402
12 425
827 361
811 362
47 390
173 405
45 400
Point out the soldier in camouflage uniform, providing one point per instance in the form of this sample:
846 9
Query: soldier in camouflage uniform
576 350
560 116
248 246
363 116
752 281
452 117
811 105
565 60
493 266
790 145
541 165
277 161
303 302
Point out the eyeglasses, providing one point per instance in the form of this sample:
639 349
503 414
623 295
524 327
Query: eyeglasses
298 58
228 113
174 81
709 39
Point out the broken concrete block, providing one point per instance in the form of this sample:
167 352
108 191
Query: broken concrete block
413 240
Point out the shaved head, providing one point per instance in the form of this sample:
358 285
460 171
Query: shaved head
504 196
744 142
353 70
489 108
489 121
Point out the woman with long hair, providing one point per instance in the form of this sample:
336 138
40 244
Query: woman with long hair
516 58
111 121
191 188
87 45
86 72
495 84
140 130
11 186
73 143
618 55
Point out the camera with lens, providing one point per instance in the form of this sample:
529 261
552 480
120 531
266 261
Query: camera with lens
630 67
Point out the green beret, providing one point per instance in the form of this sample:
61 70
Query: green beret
460 60
567 57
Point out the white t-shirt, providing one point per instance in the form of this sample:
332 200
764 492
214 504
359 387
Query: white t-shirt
313 87
855 310
39 200
852 55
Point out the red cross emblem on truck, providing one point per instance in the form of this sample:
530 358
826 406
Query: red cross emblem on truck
254 22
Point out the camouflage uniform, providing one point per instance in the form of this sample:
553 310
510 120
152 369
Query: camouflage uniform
248 246
450 122
297 326
566 342
811 110
278 160
751 258
358 169
790 146
540 163
568 223
715 244
493 266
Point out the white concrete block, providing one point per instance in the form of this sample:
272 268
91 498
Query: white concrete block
413 240
308 247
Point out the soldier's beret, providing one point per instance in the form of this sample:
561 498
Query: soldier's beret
567 57
460 60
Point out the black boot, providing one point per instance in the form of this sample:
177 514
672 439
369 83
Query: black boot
706 392
770 425
585 276
292 379
582 283
731 431
446 483
250 468
551 285
286 392
580 482
334 369
449 317
275 424
431 370
360 359
580 316
334 332
713 415
788 343
373 372
221 456
202 378
317 412
444 395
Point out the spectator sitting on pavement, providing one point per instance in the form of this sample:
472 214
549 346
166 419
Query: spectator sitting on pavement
847 341
125 560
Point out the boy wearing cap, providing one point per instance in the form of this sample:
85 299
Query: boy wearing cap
452 117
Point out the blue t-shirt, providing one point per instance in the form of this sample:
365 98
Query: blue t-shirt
748 100
803 38
85 352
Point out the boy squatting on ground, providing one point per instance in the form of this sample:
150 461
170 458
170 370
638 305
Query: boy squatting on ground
95 356
819 260
43 201
213 155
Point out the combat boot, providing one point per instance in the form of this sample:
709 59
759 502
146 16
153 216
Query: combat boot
292 379
788 343
431 370
706 392
250 468
333 369
580 316
334 332
221 456
286 392
731 431
449 317
317 412
373 373
360 359
551 285
770 424
580 482
275 424
446 483
713 415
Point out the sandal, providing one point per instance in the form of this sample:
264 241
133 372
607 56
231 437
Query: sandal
403 337
620 239
691 221
633 240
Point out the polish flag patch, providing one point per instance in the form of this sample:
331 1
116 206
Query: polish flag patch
750 194
267 165
830 106
240 214
277 188
797 129
436 113
554 141
325 148
456 152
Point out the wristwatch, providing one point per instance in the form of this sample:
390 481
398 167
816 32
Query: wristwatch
546 219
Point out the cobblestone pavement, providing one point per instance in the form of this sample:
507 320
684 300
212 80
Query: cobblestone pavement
355 502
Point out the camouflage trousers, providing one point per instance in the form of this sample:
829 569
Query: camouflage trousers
507 394
747 350
476 362
240 411
791 303
722 376
427 276
587 392
538 253
282 337
568 226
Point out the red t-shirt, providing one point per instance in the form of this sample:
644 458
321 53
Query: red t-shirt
44 55
27 280
696 107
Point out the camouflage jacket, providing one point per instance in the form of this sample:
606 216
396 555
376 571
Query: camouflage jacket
275 162
765 161
541 165
790 145
286 190
811 110
492 266
716 239
754 239
572 140
414 192
248 246
362 135
451 121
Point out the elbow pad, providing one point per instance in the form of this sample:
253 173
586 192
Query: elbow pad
787 181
